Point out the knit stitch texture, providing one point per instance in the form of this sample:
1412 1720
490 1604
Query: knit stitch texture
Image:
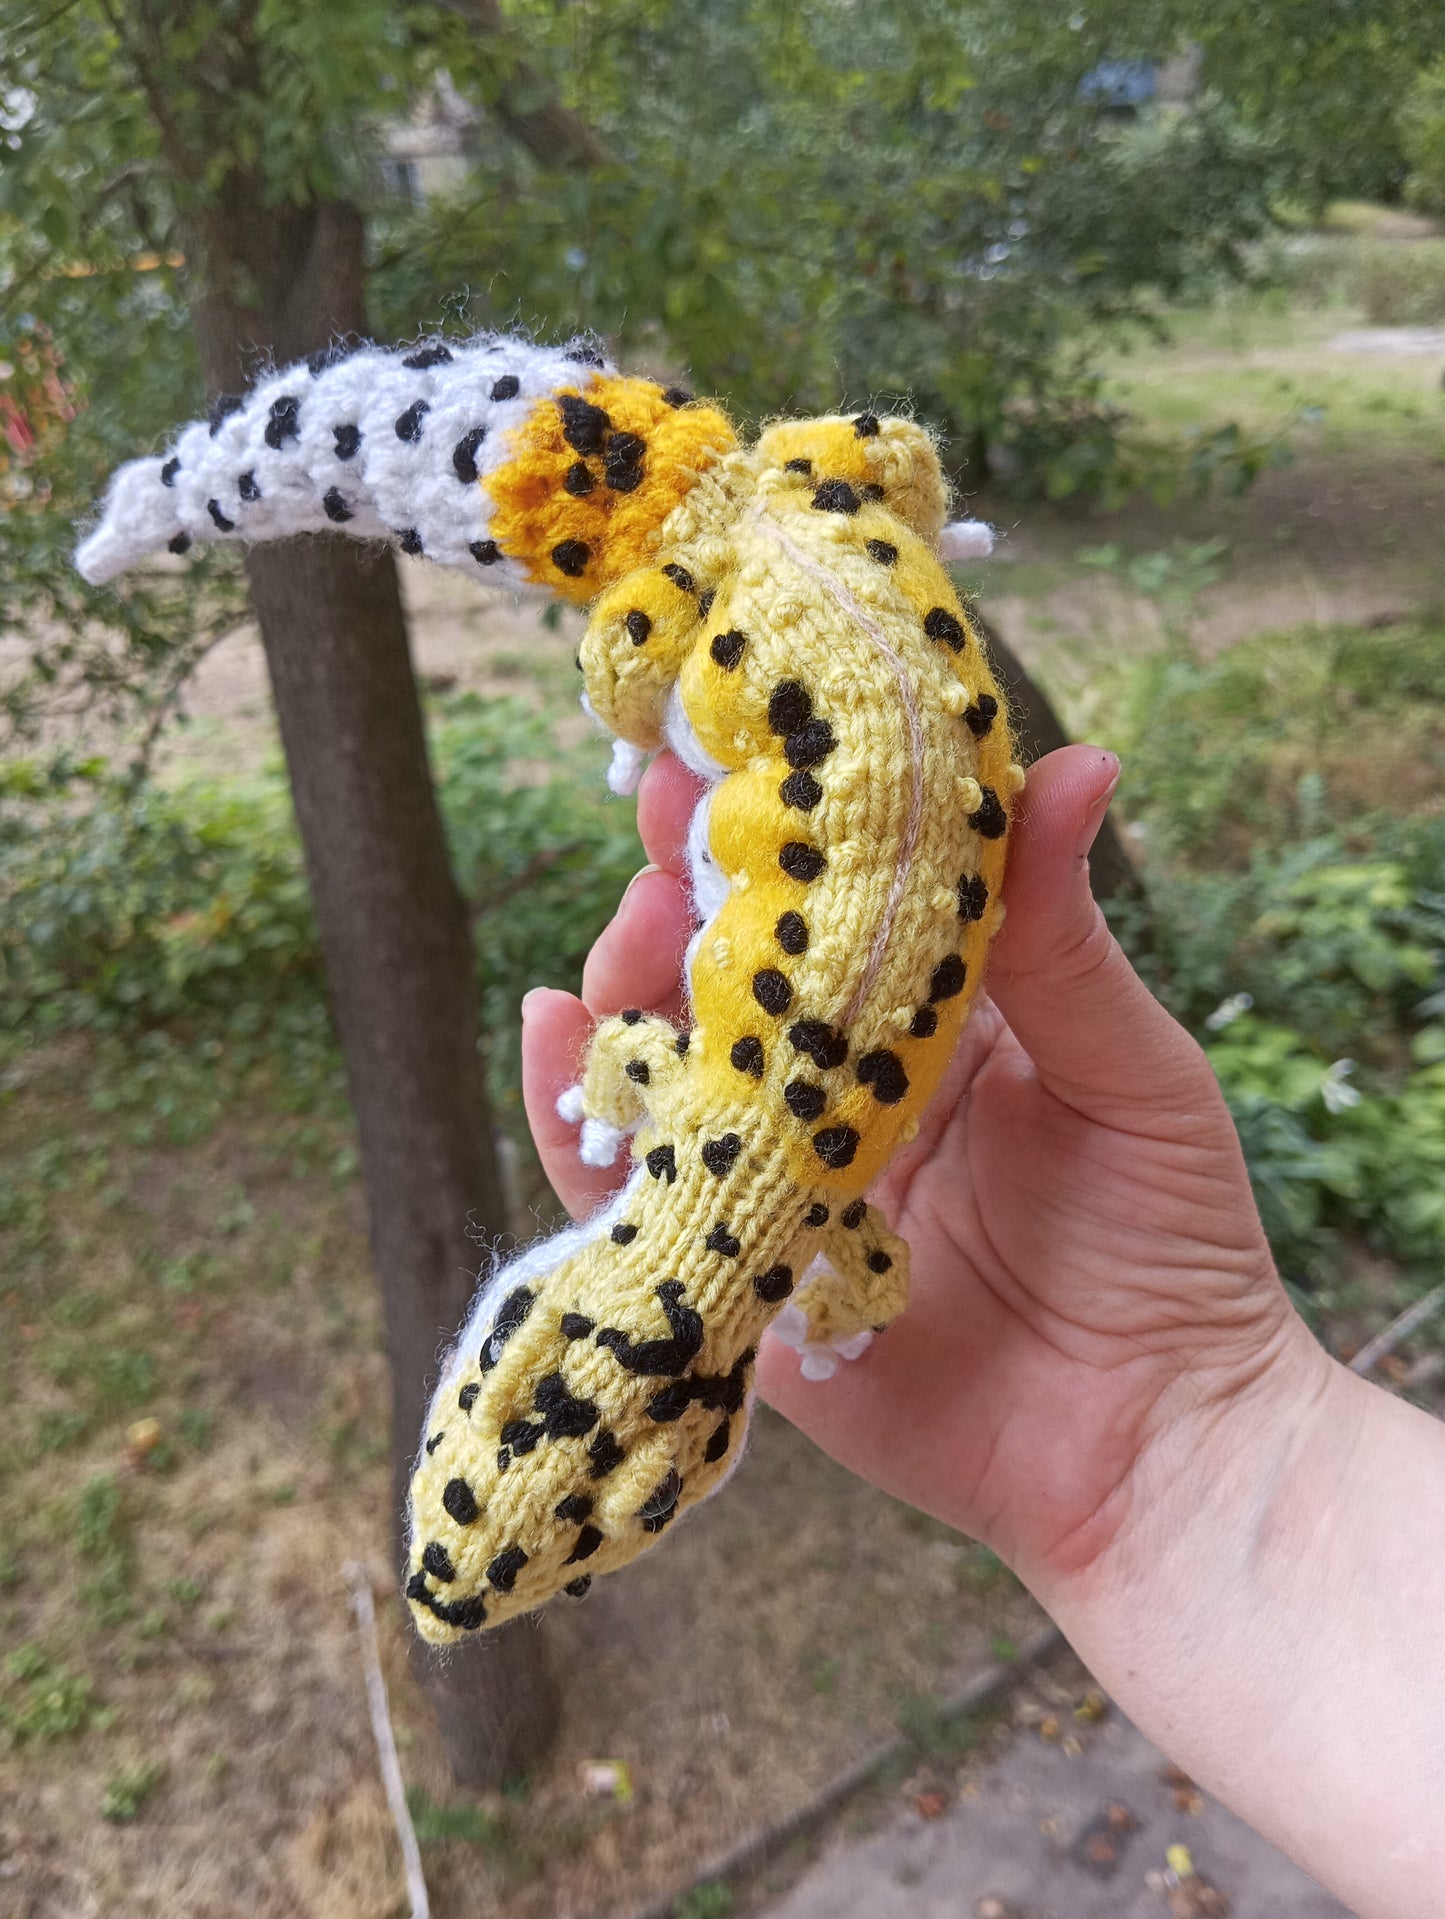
778 616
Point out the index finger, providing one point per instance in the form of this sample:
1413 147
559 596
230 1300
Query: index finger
666 801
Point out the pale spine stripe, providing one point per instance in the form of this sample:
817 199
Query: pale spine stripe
908 699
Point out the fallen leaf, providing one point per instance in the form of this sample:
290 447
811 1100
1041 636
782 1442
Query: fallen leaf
1049 1728
1197 1899
607 1779
931 1805
142 1437
1092 1706
1180 1862
1100 1846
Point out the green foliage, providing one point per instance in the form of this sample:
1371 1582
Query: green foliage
1422 135
183 914
1299 729
141 906
1297 877
41 1700
543 861
127 1792
467 1823
1391 282
107 1555
97 1516
711 1900
1321 80
938 1732
438 1824
814 205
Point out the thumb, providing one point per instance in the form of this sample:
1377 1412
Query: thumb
1096 1035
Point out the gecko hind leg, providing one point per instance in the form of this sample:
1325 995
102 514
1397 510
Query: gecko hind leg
632 1057
856 1285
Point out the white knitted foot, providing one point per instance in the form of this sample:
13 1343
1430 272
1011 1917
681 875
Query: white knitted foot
599 1143
570 1105
819 1359
625 771
966 540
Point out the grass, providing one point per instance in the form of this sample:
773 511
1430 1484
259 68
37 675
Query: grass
42 1700
712 1900
180 1600
1273 371
127 1792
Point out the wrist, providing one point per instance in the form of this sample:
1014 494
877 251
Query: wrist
1264 1612
1228 1468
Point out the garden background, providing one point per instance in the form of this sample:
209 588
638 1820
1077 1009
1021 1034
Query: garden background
1170 281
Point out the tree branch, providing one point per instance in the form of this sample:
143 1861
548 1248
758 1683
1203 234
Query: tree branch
551 132
478 909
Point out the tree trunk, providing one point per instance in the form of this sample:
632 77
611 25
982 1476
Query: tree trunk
393 928
1040 730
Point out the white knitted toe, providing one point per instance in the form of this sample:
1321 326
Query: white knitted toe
599 1142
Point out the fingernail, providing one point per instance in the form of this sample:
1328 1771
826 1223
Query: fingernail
1110 768
641 874
527 998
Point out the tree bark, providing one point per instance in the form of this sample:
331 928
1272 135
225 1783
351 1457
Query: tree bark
1040 730
392 923
526 104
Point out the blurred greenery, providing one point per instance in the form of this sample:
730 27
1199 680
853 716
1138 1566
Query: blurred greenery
800 207
184 906
915 200
1422 133
1286 794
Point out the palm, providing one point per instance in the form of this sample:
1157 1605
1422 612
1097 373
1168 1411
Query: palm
1039 1341
1087 1262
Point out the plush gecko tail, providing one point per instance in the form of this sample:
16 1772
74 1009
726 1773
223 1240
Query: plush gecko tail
518 464
379 443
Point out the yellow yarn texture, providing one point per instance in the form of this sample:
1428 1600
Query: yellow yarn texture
777 614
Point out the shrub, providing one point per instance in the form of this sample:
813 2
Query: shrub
127 1792
186 909
1288 797
1391 282
41 1700
1401 283
1422 134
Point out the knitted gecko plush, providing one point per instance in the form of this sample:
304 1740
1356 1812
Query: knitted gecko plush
779 617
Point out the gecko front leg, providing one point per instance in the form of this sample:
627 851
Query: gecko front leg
855 1285
631 1058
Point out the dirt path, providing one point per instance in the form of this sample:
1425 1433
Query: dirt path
1107 1830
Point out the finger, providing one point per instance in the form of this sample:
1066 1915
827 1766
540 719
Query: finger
555 1031
637 960
1096 1035
666 801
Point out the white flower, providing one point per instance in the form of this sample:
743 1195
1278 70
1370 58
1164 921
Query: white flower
1335 1090
1228 1011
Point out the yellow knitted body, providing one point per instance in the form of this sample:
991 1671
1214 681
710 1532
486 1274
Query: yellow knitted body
786 624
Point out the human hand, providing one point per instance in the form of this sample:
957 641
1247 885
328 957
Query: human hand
1100 1375
1092 1288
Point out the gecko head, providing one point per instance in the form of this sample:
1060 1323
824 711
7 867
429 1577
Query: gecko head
591 474
858 457
450 1543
